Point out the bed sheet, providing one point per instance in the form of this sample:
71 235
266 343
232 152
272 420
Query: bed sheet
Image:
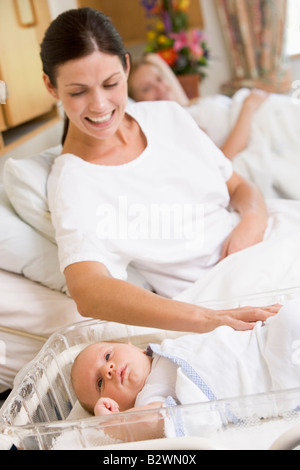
29 314
271 158
271 265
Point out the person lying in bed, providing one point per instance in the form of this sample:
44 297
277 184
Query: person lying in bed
147 82
109 378
122 168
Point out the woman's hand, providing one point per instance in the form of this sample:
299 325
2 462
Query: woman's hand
242 318
246 199
238 138
106 406
255 99
248 232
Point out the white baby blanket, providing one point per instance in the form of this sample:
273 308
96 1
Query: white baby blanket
226 363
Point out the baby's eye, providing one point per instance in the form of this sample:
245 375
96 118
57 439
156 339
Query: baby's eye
107 356
100 383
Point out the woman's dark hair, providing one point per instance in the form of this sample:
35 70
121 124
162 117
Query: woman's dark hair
75 34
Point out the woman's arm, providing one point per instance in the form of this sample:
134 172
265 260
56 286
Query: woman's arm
246 199
239 136
98 295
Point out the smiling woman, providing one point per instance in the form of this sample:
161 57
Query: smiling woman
112 151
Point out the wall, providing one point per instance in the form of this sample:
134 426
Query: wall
58 6
52 135
219 70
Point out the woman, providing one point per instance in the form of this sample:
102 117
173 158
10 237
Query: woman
147 82
117 169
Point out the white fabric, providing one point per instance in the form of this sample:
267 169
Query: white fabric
25 182
212 114
113 206
25 251
236 363
271 265
6 443
160 383
271 158
28 308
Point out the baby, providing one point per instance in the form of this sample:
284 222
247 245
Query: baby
114 377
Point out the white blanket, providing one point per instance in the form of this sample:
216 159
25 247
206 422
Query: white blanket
271 265
227 363
272 157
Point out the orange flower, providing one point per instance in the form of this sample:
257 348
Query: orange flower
169 56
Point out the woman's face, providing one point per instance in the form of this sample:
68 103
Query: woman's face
93 91
148 84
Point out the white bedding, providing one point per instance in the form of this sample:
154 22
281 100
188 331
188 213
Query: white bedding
271 159
268 266
29 314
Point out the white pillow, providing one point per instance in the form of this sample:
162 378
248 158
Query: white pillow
24 251
25 183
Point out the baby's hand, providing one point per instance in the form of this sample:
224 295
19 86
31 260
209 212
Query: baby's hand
106 406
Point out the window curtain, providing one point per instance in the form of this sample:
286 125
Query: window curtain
255 32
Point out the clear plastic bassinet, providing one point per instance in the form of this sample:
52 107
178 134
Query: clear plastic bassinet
42 412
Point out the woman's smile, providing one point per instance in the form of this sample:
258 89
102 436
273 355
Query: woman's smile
101 121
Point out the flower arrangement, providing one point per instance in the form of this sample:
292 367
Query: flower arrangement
184 49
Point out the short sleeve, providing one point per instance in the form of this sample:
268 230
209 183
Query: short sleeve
75 218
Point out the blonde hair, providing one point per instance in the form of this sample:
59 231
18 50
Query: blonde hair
165 70
133 68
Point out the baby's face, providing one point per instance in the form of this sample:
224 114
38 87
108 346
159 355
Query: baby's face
114 370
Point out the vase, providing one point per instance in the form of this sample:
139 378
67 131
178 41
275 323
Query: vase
191 84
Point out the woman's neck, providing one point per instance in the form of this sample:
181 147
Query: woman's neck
123 146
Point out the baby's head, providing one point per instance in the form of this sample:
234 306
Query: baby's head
114 370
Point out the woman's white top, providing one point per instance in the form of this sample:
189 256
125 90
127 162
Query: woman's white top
165 212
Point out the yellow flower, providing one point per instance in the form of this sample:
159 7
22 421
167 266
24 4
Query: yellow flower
160 26
162 39
183 5
151 36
